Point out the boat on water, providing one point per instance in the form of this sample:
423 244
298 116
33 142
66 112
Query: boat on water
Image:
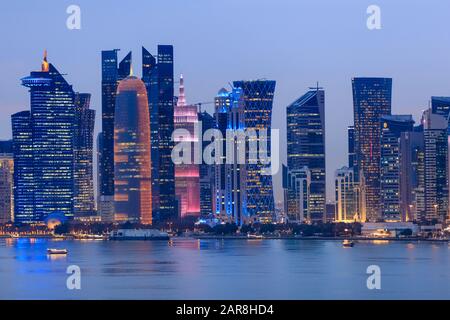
348 243
57 251
138 234
255 236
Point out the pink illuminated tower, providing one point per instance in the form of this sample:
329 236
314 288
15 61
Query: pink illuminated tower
187 181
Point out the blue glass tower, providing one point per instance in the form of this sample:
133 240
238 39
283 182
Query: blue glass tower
52 153
306 146
258 100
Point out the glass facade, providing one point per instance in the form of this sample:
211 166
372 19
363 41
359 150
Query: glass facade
306 146
132 168
371 101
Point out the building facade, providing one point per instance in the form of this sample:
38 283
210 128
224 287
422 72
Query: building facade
306 146
258 101
391 128
6 186
132 167
371 101
297 186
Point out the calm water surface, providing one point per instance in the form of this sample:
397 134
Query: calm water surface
224 269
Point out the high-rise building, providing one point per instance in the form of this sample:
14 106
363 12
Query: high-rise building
306 146
112 73
132 168
206 171
371 101
187 183
258 100
83 153
349 205
44 145
230 174
297 185
6 184
24 184
6 146
436 166
412 175
391 128
441 106
157 75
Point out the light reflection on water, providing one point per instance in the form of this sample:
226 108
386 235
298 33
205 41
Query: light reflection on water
224 269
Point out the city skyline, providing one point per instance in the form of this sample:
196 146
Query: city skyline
415 80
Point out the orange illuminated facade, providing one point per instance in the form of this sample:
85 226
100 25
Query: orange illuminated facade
132 175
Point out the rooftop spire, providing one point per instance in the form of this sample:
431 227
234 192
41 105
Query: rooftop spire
44 66
181 97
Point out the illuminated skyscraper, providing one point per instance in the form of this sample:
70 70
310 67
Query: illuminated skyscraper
132 171
44 145
297 185
306 146
187 183
6 186
157 75
83 156
351 148
111 74
258 100
436 166
391 128
230 174
371 101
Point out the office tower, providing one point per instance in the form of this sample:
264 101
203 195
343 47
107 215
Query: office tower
391 128
412 175
132 177
230 174
112 73
297 186
6 183
6 146
371 101
306 146
24 185
348 203
258 100
44 147
436 166
157 75
351 147
187 183
206 171
83 156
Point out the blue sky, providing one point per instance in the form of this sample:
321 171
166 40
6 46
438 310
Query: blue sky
294 42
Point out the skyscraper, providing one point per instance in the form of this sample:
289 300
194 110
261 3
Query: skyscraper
297 185
187 184
347 196
44 144
111 74
83 153
258 100
436 166
24 184
6 186
132 168
412 175
206 171
230 174
371 101
158 79
306 146
391 128
441 106
351 148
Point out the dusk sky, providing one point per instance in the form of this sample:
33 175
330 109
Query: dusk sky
296 43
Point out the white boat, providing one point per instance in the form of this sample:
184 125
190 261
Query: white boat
255 236
348 243
57 251
138 234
